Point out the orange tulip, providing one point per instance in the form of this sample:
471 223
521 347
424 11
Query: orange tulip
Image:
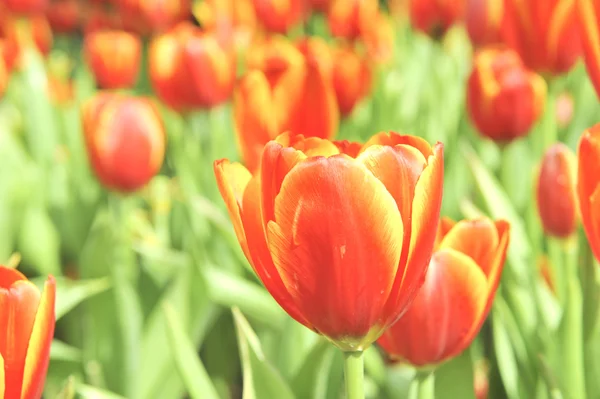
378 38
588 185
26 331
435 17
545 33
190 68
564 108
340 241
25 7
279 15
556 198
19 35
589 13
483 19
547 273
148 16
233 21
64 16
504 98
114 57
319 5
351 78
456 297
348 18
125 140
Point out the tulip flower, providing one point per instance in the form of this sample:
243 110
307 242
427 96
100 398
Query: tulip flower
435 17
4 75
504 98
556 198
147 16
114 58
190 68
125 140
279 16
26 331
18 36
340 241
589 10
25 7
483 19
456 297
378 38
545 33
588 185
319 5
285 83
351 78
348 18
64 16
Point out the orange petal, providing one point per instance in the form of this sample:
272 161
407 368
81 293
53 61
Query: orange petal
336 241
9 276
38 352
2 377
18 307
232 180
350 148
392 139
440 318
446 224
588 180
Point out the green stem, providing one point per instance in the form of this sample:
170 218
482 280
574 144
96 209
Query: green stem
354 372
425 384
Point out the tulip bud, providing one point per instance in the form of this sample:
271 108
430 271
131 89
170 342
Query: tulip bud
279 16
588 185
547 273
504 99
556 196
125 140
151 16
348 18
114 58
25 7
483 19
64 16
26 330
190 68
435 17
351 78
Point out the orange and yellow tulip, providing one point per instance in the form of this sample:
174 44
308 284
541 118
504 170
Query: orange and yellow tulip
113 57
340 234
125 140
153 16
348 18
18 36
545 33
589 13
26 330
190 68
456 297
504 98
588 185
483 19
435 17
378 38
352 76
279 15
556 194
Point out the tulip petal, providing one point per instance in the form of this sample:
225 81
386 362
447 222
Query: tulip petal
392 139
440 318
588 181
232 180
38 352
2 377
9 276
446 224
350 148
336 241
19 305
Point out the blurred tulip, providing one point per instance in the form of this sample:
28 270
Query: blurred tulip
4 75
547 273
545 33
100 18
233 21
341 242
348 18
435 17
114 58
379 39
588 185
279 15
319 5
351 78
190 68
589 16
456 297
556 197
483 19
481 380
153 16
20 34
284 85
125 140
64 16
504 98
565 108
26 331
25 7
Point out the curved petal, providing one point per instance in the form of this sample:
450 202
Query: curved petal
9 276
336 241
446 224
588 180
350 148
2 377
438 323
392 139
232 180
38 352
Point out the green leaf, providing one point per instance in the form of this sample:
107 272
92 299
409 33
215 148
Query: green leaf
89 392
507 362
70 293
455 379
68 390
261 379
62 351
188 363
39 241
311 380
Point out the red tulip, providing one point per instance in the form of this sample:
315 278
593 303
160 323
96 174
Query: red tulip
4 73
25 7
153 16
504 98
114 57
26 331
435 17
64 16
588 185
484 19
125 140
279 16
456 297
341 242
348 18
378 38
556 198
589 13
351 78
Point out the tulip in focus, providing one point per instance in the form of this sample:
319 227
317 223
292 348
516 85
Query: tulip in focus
588 185
125 140
351 78
435 17
589 13
26 331
340 240
190 68
456 297
556 198
114 58
483 19
348 18
279 16
504 98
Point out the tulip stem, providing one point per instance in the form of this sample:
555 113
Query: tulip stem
354 372
425 384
